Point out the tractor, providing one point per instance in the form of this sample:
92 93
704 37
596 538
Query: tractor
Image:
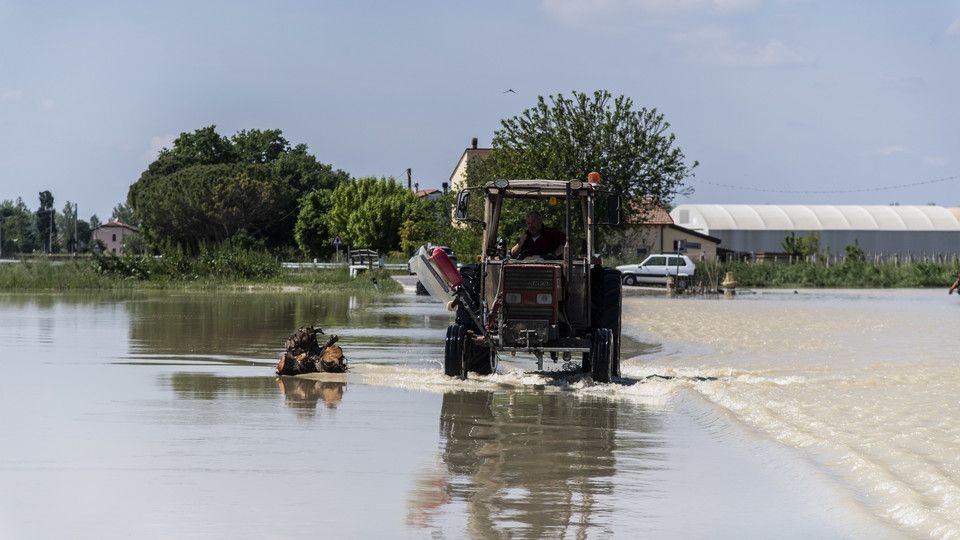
566 306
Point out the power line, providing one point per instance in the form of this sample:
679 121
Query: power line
829 191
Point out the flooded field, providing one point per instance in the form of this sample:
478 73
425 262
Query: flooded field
829 414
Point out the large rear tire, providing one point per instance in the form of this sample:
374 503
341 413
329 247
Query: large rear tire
471 297
601 351
612 313
606 304
453 365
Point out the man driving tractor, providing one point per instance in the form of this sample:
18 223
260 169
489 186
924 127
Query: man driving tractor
539 240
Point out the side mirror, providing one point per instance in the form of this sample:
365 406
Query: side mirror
463 205
614 214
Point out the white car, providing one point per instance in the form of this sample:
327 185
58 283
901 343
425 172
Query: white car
656 268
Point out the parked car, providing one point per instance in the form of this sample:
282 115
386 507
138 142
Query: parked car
428 249
656 268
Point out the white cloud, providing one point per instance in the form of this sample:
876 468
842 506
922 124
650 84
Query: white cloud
718 47
11 95
893 149
158 143
47 104
954 28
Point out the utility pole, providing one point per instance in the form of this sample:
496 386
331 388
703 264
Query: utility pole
409 179
2 220
50 240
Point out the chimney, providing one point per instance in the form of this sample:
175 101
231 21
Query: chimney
446 187
473 143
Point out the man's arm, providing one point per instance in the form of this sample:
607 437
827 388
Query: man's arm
955 286
515 250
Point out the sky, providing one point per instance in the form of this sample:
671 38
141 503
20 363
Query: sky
779 95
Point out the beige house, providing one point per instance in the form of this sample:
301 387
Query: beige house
458 178
112 235
653 231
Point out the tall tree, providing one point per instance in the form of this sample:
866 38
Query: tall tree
208 188
124 214
367 213
566 138
46 222
66 226
19 227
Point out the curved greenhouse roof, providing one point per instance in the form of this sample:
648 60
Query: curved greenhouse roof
712 217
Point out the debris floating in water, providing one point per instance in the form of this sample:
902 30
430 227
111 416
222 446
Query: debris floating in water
305 355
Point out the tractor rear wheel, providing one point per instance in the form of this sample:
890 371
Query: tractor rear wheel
601 352
471 295
611 314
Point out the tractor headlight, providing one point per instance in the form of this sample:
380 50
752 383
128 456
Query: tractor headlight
544 298
513 298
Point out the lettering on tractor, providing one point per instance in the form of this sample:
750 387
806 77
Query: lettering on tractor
562 302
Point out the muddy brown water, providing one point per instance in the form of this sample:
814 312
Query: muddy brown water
158 415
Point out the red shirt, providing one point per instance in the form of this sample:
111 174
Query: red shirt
545 244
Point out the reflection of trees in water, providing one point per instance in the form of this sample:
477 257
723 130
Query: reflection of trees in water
303 395
188 385
230 324
532 464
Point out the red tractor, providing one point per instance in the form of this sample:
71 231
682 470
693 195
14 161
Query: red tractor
562 305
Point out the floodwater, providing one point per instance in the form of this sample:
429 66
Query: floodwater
828 414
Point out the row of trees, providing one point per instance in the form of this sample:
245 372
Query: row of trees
45 230
255 188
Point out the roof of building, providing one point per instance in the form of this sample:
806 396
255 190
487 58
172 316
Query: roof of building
468 154
712 217
113 224
427 192
648 214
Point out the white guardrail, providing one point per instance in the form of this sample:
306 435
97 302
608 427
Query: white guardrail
317 265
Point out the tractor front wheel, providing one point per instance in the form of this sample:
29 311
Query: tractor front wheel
453 350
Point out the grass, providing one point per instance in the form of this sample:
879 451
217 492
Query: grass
843 275
212 271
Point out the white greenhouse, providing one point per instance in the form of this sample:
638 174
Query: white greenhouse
881 231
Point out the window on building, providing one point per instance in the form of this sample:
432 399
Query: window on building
693 245
114 237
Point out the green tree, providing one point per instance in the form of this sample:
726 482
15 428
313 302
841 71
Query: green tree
46 224
368 212
19 227
125 214
313 237
566 138
65 224
208 188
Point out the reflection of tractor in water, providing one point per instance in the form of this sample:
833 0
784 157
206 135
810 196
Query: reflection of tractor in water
562 305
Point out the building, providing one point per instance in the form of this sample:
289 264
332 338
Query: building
112 236
458 178
880 231
431 194
653 231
